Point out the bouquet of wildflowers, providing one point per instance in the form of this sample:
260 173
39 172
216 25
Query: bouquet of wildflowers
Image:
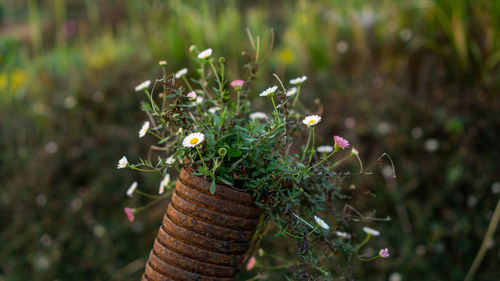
206 124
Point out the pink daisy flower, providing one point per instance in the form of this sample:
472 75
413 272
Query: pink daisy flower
130 214
191 95
237 84
384 253
251 263
340 143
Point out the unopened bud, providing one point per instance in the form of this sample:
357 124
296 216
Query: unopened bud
222 151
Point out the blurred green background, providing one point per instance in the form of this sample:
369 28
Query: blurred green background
417 79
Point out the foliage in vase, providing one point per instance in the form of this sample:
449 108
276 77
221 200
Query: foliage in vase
205 123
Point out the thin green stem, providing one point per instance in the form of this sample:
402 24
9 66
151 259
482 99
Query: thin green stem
340 161
140 209
153 104
164 98
155 134
274 105
145 194
367 238
201 157
237 102
307 146
187 83
139 169
360 163
296 95
198 108
312 231
369 259
203 81
324 159
221 93
216 167
312 148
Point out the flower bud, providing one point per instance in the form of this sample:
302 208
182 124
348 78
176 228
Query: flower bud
222 151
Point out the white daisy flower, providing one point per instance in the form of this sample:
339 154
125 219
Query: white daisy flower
311 120
164 183
131 189
181 73
258 115
199 99
269 91
162 62
213 109
321 222
144 85
291 92
371 231
122 163
193 139
344 235
205 54
170 160
324 148
144 129
298 80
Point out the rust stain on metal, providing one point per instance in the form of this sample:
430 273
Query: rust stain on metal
203 236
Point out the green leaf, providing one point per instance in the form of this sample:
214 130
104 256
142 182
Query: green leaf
212 187
226 182
234 152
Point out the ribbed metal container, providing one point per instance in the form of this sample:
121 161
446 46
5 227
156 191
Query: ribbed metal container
203 236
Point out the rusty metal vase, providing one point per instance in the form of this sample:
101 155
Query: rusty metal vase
203 236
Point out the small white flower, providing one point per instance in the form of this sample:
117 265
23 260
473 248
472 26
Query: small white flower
162 62
269 91
181 73
144 85
131 189
371 231
354 151
321 222
122 163
205 54
298 80
324 148
144 129
311 120
193 139
199 99
344 235
213 109
258 115
291 92
170 160
164 183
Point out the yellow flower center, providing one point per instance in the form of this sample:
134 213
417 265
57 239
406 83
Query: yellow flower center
312 121
193 141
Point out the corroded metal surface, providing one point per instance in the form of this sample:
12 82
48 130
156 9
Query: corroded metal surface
203 236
